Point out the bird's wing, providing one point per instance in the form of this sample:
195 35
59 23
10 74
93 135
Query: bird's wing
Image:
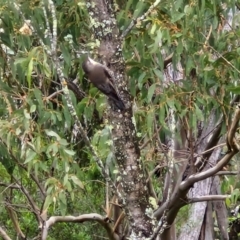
109 74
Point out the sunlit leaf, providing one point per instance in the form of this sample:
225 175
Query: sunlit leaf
29 72
30 155
151 92
77 182
52 134
69 152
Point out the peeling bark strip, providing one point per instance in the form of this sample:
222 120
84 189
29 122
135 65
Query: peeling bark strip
131 174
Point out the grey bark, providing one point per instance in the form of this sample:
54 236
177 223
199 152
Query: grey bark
220 210
133 194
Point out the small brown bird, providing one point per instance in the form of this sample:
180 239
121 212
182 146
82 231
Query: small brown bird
102 78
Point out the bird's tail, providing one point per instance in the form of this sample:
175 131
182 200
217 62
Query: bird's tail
116 99
119 104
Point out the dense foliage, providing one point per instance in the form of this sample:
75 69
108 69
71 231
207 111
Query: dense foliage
40 153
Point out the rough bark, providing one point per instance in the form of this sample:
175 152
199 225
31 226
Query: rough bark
193 226
220 210
134 195
207 229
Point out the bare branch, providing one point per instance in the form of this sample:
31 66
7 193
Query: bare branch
212 171
208 198
178 198
33 177
162 224
79 219
47 24
140 19
13 186
4 234
14 219
208 173
227 173
210 149
54 94
33 205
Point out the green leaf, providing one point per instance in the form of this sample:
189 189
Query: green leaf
177 16
65 179
151 91
38 96
29 72
158 74
77 181
63 142
140 80
150 118
89 111
18 131
26 114
153 29
199 113
228 202
69 152
21 61
162 115
30 155
33 108
52 134
48 201
234 89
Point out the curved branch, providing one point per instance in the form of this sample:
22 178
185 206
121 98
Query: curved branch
79 219
12 186
32 203
178 198
208 173
234 148
14 218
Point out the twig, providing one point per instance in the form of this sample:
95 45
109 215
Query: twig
33 205
150 139
212 171
79 219
13 186
210 149
208 198
4 234
162 224
139 19
220 173
221 56
54 94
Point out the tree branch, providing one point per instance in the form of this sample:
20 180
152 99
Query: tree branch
4 234
139 19
33 205
79 219
178 198
220 173
207 198
212 171
13 186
